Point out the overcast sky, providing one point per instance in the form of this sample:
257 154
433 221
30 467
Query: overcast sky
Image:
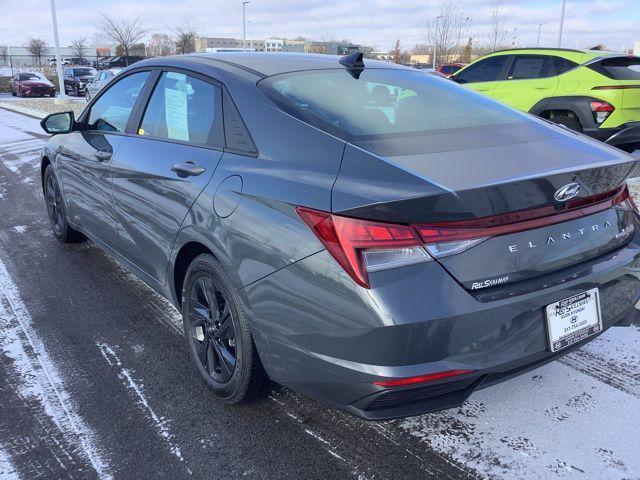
374 22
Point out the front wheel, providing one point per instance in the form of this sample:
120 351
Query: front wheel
56 211
218 333
76 91
87 95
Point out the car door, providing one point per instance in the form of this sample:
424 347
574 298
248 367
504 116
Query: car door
86 157
530 79
159 171
483 75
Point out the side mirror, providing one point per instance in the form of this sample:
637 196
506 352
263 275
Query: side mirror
58 123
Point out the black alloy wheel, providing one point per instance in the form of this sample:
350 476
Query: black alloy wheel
218 333
54 205
212 329
56 211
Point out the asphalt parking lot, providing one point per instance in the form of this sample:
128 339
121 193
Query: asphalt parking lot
95 382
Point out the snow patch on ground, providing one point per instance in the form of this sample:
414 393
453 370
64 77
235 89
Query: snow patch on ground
20 228
38 377
556 422
7 468
160 423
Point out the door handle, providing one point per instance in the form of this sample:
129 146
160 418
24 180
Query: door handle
102 155
187 169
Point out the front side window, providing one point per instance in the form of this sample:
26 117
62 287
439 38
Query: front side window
110 113
531 66
487 70
181 108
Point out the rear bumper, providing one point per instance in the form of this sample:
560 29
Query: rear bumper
319 333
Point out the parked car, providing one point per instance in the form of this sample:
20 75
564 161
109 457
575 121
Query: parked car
118 62
390 255
77 78
448 69
63 61
593 92
101 79
31 84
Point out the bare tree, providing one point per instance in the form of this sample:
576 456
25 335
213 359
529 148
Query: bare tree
497 33
185 39
124 32
160 45
4 54
395 53
446 30
79 47
36 47
467 51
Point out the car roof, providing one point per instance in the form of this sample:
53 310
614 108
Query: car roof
265 64
579 56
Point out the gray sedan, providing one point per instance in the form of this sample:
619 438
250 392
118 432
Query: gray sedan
362 232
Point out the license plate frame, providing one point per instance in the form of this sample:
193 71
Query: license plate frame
573 319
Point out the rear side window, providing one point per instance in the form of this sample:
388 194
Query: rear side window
487 70
563 65
110 113
618 68
181 108
531 66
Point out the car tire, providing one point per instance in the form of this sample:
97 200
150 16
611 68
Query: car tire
76 91
225 355
52 95
569 122
13 93
56 210
87 94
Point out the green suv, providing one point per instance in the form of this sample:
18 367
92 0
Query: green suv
593 92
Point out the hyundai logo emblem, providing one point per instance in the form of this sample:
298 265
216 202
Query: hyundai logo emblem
567 192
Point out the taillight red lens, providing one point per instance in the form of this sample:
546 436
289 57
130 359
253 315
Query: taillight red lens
401 382
346 238
597 106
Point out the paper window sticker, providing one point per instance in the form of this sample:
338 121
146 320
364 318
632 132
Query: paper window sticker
175 112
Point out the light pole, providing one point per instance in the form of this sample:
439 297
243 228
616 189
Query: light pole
564 4
249 35
435 42
539 29
244 26
62 98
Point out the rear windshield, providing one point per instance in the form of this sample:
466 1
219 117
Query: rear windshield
619 68
383 103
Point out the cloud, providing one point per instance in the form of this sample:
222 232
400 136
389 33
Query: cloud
374 22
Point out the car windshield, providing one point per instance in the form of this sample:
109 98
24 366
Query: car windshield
382 102
83 72
28 76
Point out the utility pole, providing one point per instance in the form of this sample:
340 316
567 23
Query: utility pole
244 26
10 61
435 42
62 98
539 29
564 4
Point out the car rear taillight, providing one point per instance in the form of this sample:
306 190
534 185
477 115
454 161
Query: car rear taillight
361 246
432 377
601 110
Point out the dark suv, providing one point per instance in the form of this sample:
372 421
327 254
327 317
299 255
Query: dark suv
76 79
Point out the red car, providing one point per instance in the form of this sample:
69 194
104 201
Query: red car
29 85
448 69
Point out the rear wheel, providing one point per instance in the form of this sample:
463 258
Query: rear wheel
56 211
13 93
76 91
218 333
569 122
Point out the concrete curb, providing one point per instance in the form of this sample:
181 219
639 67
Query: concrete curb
24 110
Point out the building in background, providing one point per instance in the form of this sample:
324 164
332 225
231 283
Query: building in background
216 44
636 48
274 45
